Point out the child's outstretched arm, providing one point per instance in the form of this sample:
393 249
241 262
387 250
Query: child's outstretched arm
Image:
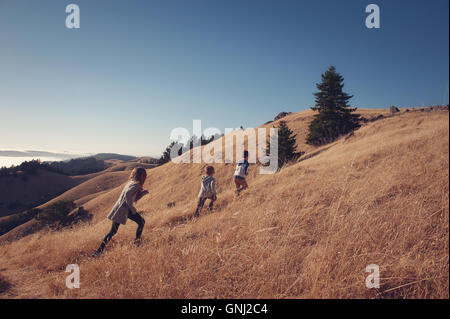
141 194
213 186
213 189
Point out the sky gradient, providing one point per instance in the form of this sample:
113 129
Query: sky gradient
137 69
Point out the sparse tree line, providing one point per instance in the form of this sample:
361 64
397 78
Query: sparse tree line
182 148
76 166
334 118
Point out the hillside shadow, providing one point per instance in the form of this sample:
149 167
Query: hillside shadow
5 285
175 221
78 215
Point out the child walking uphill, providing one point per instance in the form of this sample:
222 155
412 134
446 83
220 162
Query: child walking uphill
207 191
240 173
124 208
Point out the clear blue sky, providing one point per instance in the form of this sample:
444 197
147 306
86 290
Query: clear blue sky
137 69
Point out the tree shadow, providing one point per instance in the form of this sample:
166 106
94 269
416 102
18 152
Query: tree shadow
5 285
178 220
77 215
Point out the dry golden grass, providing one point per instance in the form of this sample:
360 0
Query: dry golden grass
94 186
309 231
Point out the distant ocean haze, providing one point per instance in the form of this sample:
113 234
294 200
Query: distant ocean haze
9 161
9 157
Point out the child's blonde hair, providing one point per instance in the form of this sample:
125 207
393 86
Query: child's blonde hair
138 174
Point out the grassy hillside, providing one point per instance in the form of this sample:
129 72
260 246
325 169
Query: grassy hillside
33 183
309 231
87 187
18 194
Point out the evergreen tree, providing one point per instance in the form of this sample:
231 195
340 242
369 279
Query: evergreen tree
335 116
165 157
286 145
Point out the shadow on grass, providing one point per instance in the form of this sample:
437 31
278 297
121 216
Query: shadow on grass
5 285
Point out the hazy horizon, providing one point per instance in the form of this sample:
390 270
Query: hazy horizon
9 158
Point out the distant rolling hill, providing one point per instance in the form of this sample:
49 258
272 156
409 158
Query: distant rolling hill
113 156
21 191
